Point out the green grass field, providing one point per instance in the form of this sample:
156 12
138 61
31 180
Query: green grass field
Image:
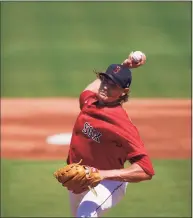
51 48
29 189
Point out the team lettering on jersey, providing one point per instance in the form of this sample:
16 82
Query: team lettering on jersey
91 132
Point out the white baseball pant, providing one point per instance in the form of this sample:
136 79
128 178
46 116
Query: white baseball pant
86 204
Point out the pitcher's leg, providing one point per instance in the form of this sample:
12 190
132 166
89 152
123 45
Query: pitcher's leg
109 193
75 200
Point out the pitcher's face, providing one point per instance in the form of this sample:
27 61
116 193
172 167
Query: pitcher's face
109 91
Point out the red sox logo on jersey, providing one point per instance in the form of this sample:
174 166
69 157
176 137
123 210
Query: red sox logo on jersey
91 132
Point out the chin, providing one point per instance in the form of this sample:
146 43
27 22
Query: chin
104 98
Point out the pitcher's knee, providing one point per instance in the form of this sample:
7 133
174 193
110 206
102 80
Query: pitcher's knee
87 214
87 209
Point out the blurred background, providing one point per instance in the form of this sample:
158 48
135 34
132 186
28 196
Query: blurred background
50 49
56 46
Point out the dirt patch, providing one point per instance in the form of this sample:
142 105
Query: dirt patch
164 125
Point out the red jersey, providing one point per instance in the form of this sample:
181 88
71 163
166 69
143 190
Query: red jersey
104 137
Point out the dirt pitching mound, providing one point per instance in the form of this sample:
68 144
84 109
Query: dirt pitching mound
164 125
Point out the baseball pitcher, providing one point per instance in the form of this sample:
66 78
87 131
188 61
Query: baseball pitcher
103 139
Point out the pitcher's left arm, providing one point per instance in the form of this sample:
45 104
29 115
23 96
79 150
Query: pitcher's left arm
141 169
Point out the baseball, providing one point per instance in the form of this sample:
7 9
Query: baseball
137 56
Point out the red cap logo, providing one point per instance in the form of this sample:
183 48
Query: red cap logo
117 69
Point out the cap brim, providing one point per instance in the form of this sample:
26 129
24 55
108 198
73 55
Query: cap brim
112 78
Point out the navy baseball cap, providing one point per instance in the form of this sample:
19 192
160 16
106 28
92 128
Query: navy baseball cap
120 74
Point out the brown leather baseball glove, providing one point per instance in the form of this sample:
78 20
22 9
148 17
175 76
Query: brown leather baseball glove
78 178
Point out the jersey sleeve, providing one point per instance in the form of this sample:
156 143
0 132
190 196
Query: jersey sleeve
144 162
133 143
135 150
84 96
